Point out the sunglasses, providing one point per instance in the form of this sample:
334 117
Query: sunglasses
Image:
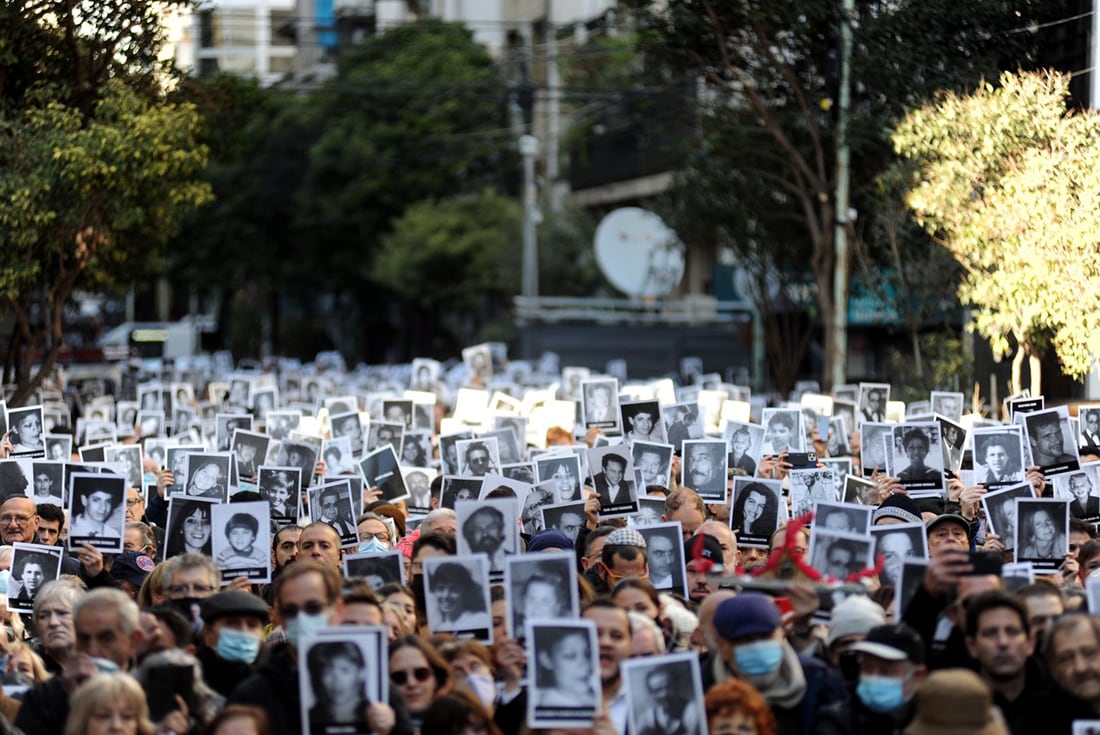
400 678
313 607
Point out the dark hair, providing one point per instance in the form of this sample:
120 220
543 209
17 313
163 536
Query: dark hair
173 620
450 714
782 418
175 534
1039 588
321 655
603 602
242 520
439 666
453 574
626 553
438 541
611 456
275 536
993 600
1076 525
637 583
50 512
43 560
1063 625
601 531
546 640
915 434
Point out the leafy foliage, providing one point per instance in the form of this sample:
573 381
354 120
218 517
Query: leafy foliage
1008 182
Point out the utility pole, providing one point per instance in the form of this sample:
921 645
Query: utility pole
553 108
839 348
529 149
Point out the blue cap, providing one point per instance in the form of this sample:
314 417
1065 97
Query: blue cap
549 538
748 614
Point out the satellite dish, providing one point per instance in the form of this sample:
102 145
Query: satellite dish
640 255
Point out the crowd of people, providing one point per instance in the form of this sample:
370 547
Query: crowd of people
637 603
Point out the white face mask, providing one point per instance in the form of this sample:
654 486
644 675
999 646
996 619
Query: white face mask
305 624
484 687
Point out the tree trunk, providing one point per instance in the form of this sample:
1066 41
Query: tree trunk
918 360
1035 367
1017 369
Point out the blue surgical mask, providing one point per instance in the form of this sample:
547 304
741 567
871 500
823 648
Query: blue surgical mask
5 576
881 693
372 546
237 646
759 658
304 624
105 666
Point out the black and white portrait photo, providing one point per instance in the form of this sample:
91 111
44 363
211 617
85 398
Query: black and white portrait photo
898 543
1088 419
416 449
665 555
1053 445
755 511
347 403
332 503
190 523
281 423
59 446
456 489
302 453
488 527
97 510
26 430
838 443
810 486
376 568
874 441
264 400
540 585
208 476
478 457
682 421
842 517
520 472
250 449
745 441
281 487
954 443
563 673
565 470
419 484
347 425
861 491
612 471
423 374
649 512
912 574
381 469
704 468
840 555
242 540
339 677
508 448
151 423
384 433
1081 489
225 424
872 402
398 411
571 379
947 404
841 467
338 458
32 565
565 518
479 364
499 486
664 695
48 481
918 456
652 464
448 451
1042 532
457 593
127 457
1001 513
600 405
239 396
642 422
998 456
782 431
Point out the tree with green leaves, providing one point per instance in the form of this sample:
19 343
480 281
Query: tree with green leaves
1009 183
86 201
761 175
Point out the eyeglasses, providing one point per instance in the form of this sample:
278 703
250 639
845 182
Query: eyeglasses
380 536
13 519
131 502
313 607
194 590
400 678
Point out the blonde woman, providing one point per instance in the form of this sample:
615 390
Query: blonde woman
109 703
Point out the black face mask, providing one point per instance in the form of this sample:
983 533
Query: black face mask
849 666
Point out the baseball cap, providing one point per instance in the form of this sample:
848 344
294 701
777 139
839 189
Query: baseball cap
750 613
897 642
954 517
132 567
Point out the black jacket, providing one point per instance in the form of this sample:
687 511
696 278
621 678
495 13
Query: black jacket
274 689
45 708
